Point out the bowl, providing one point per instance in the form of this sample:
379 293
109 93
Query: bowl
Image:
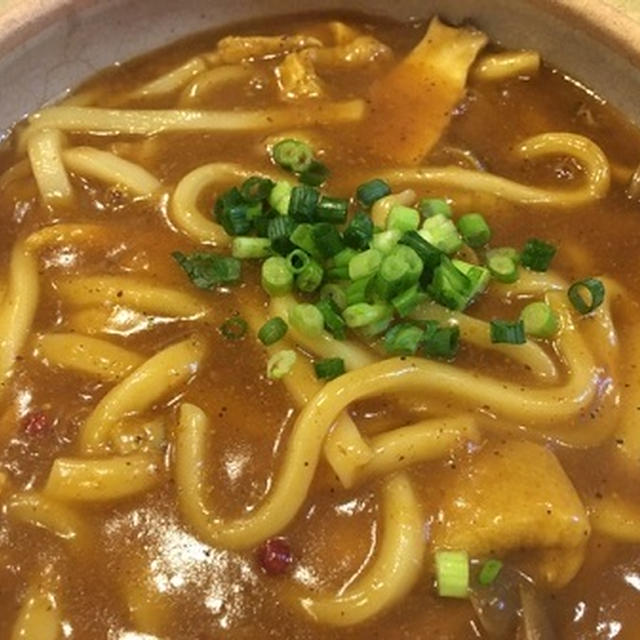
51 45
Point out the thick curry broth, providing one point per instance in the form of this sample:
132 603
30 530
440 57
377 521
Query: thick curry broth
213 593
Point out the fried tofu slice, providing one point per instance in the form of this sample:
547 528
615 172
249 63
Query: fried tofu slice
515 496
412 105
297 77
234 49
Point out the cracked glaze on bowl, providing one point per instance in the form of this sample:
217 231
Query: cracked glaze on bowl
47 46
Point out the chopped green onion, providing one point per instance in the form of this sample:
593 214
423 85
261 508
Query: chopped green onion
506 332
327 239
234 328
399 270
430 255
333 321
403 218
302 236
261 224
310 278
335 293
441 232
502 266
478 276
209 270
256 189
385 241
303 203
298 260
343 258
362 314
272 330
586 295
403 339
371 191
434 207
452 573
377 327
315 175
280 197
329 368
450 287
364 264
244 247
539 319
359 232
294 155
332 210
489 572
307 319
235 220
537 255
404 303
279 230
276 276
279 364
441 342
474 230
360 290
337 274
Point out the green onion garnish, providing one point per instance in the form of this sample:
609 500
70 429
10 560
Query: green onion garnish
335 293
360 290
279 229
404 303
474 230
503 265
248 247
233 328
359 232
327 239
586 295
433 207
302 236
506 332
315 175
363 314
310 278
489 572
276 276
303 203
333 321
293 155
441 232
332 210
403 219
364 264
441 342
280 197
329 368
539 319
298 260
452 573
256 189
385 241
371 191
430 255
537 255
279 364
272 330
209 270
403 339
450 287
307 319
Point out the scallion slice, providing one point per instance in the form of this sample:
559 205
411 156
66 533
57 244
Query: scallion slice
335 293
310 278
539 319
502 266
279 230
363 314
293 155
315 175
364 264
234 328
503 331
280 363
430 255
329 368
441 232
247 247
403 339
303 203
360 290
489 572
276 276
452 573
327 239
586 295
404 303
333 321
474 230
537 254
332 210
256 189
441 342
298 260
272 330
403 219
385 241
359 232
371 191
302 236
280 197
307 319
433 207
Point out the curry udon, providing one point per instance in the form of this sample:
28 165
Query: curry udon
321 328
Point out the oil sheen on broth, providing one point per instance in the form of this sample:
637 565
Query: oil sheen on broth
163 473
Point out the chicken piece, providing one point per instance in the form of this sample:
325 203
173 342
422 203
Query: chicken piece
358 52
297 77
515 496
234 49
411 105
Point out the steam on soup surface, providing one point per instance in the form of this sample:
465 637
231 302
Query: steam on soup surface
321 329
